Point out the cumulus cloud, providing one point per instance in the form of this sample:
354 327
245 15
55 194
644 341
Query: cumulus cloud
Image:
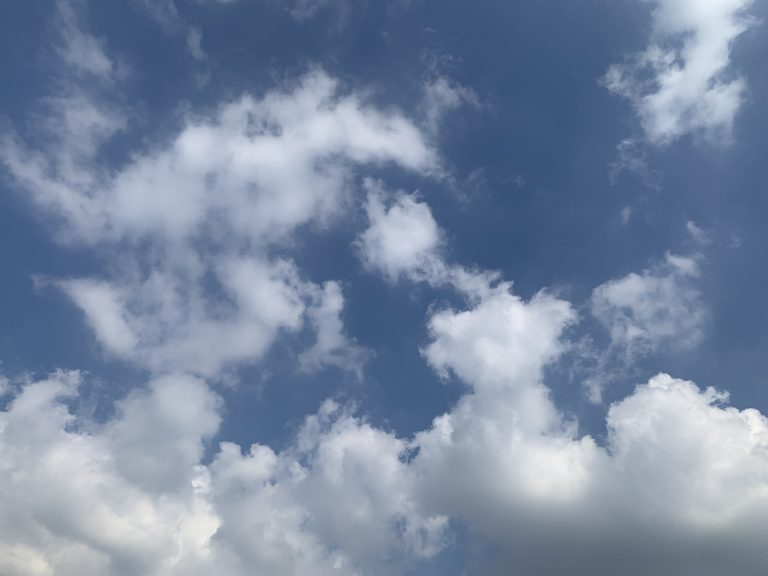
133 496
658 308
678 484
195 284
531 484
203 210
403 238
683 82
662 489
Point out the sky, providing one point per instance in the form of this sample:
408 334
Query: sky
394 287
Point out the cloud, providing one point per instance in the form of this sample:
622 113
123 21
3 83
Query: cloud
80 50
631 158
66 507
697 234
677 485
442 95
197 231
105 313
682 83
332 346
663 489
402 238
132 495
531 484
263 166
203 211
403 241
501 341
658 308
680 472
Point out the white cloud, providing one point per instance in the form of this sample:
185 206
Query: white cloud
207 207
80 50
692 89
402 238
132 496
658 308
332 346
678 486
66 508
442 95
663 489
501 341
169 321
262 166
189 223
105 314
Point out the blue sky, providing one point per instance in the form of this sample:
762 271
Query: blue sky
403 287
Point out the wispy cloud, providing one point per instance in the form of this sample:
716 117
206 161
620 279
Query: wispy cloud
683 82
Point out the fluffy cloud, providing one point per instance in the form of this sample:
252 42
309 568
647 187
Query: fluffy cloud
661 307
678 485
168 322
665 489
662 488
193 226
132 495
644 313
190 223
260 166
402 238
682 82
67 509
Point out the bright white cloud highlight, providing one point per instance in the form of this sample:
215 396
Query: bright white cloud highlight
682 83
